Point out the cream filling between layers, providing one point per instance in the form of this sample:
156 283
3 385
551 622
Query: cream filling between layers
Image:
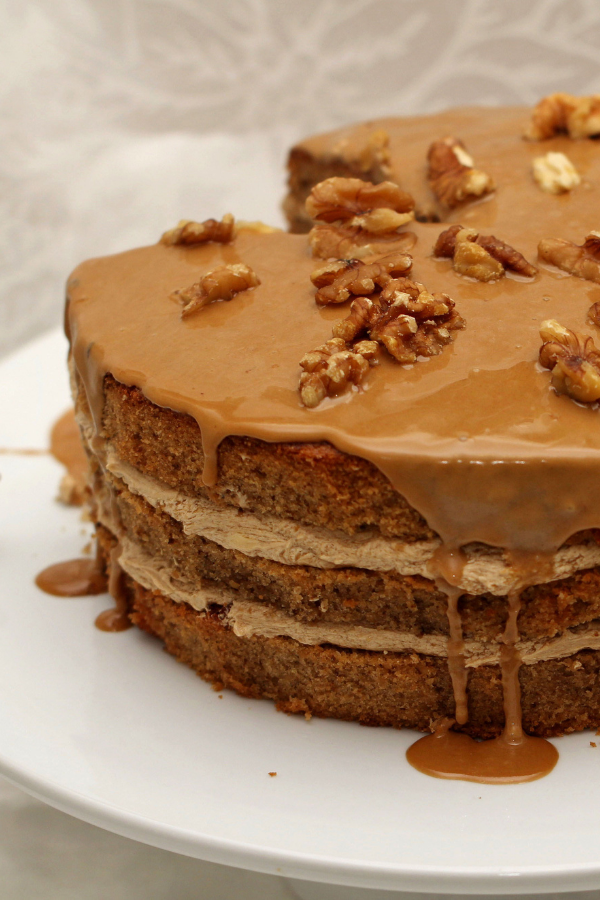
288 542
248 618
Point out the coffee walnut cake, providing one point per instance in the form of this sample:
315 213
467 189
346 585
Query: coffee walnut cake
357 471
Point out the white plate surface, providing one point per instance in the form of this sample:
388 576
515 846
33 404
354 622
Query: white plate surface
111 729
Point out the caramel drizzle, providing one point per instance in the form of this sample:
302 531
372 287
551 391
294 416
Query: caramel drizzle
210 446
456 658
85 577
513 756
449 564
22 451
82 577
66 447
115 618
531 568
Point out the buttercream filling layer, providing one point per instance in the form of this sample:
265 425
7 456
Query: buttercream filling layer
248 618
285 541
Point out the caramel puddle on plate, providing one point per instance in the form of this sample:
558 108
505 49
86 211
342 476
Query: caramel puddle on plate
449 754
85 577
514 756
73 578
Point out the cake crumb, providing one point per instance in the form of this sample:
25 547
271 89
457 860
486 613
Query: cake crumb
592 744
272 774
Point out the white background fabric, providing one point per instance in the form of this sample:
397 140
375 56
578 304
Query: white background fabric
121 116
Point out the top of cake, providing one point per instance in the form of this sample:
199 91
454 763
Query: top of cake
475 437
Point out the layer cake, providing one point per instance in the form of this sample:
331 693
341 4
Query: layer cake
366 556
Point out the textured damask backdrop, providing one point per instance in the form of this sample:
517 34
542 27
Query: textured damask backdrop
121 116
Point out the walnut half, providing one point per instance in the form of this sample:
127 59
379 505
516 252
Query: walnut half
222 283
573 360
473 260
189 232
581 260
452 176
373 207
560 113
351 215
480 256
594 313
333 367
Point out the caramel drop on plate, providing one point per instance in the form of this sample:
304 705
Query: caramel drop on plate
73 578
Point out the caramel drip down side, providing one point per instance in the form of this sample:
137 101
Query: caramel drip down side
449 564
531 568
510 663
116 618
456 657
